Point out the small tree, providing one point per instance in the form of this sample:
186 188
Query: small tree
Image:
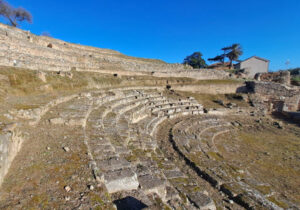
195 60
233 52
220 58
14 15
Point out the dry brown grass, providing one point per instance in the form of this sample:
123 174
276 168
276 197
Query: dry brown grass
270 155
208 100
24 89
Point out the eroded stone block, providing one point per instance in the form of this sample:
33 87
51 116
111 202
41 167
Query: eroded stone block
113 163
120 180
152 184
202 201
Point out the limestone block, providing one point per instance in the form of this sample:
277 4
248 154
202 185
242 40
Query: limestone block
171 174
122 150
56 121
171 111
4 153
28 114
46 88
120 180
114 163
10 145
172 194
152 184
104 148
178 110
202 201
42 76
76 122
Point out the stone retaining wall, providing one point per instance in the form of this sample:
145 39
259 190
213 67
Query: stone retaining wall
278 96
282 77
210 88
10 144
196 74
23 49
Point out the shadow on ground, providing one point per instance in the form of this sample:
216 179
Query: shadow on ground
289 117
129 203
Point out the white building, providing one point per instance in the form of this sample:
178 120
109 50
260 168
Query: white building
253 65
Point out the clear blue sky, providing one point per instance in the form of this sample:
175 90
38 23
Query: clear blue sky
172 29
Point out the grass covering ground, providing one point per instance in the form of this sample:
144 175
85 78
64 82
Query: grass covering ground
269 156
21 82
295 80
209 100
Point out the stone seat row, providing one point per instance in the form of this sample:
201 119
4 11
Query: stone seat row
148 181
22 38
34 61
200 139
80 59
112 136
69 55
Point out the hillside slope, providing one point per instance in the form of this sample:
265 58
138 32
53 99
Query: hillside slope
24 49
19 48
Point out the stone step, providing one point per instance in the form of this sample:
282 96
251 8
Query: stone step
120 180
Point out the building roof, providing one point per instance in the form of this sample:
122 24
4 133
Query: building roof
219 66
259 58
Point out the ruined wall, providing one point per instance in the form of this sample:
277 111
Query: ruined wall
10 144
195 73
25 50
279 97
282 77
209 88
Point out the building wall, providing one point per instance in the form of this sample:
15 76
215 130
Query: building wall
254 66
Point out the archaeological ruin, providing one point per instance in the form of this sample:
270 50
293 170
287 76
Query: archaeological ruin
90 128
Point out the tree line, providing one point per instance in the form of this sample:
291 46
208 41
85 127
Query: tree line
232 53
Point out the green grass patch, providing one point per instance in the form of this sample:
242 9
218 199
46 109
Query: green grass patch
215 155
296 78
218 82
